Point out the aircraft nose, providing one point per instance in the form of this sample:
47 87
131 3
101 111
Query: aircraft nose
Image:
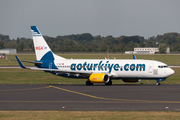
171 72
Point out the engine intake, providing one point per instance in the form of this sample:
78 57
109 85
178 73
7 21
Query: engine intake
99 78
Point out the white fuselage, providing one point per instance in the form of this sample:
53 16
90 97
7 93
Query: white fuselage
127 68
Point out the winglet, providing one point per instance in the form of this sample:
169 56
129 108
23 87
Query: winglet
134 57
20 63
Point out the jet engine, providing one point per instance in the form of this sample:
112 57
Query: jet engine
99 78
131 80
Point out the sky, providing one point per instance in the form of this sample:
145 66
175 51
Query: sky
146 18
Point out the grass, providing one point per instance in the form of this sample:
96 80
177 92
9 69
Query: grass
26 76
168 59
88 115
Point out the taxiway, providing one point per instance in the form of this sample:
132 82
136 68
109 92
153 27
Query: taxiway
123 97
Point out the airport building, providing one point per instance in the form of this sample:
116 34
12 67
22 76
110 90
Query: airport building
8 51
147 50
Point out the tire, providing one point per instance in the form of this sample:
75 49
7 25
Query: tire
158 83
109 83
88 83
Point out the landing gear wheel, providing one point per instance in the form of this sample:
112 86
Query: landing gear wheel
88 83
109 83
158 83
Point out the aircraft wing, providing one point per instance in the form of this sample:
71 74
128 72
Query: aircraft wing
70 72
86 73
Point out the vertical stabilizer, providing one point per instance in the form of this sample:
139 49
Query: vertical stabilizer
42 50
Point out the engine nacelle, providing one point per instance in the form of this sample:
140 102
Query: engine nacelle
131 80
99 78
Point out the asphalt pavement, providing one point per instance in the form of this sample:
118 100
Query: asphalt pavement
79 97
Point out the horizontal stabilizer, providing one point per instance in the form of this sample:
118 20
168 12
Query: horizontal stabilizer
32 62
29 61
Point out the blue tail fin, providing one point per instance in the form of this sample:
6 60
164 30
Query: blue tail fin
43 51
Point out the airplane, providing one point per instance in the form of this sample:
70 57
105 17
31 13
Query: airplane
95 70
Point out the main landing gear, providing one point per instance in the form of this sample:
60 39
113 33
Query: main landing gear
109 83
89 83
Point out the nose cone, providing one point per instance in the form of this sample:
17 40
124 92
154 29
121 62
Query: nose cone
170 72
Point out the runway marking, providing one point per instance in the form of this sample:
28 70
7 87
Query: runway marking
113 100
67 102
24 89
127 100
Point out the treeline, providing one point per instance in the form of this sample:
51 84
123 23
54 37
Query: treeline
87 43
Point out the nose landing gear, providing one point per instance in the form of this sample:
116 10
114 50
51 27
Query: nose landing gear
158 81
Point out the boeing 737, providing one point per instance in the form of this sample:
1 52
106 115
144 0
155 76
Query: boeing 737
95 70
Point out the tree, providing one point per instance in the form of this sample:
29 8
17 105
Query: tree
162 48
86 36
17 41
10 44
1 44
20 46
177 47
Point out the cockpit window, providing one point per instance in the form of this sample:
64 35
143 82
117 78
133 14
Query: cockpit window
161 66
